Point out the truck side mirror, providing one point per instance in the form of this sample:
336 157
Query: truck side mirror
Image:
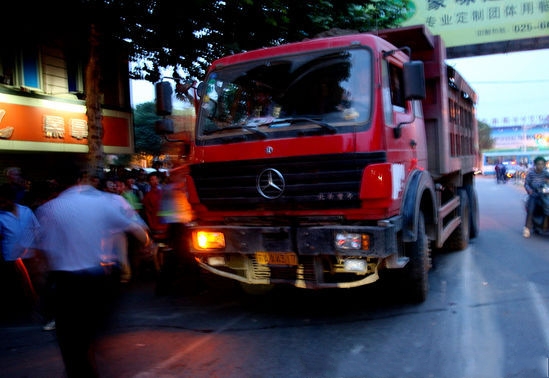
414 80
164 93
414 88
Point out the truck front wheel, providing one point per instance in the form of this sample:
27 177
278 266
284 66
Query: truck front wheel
416 278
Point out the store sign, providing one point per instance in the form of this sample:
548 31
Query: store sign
28 123
472 22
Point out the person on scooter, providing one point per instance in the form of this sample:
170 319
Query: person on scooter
536 178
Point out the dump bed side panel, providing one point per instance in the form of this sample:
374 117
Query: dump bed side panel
450 119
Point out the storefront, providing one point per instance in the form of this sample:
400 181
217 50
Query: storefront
37 132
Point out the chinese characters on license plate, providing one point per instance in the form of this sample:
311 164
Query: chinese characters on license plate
276 258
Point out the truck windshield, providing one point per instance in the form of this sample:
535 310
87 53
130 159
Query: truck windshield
308 94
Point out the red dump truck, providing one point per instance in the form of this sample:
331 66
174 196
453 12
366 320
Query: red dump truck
332 163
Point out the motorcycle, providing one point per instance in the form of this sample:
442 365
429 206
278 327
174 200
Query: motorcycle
540 219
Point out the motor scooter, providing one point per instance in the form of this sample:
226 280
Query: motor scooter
540 219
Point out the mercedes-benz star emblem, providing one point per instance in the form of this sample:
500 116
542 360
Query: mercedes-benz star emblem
270 183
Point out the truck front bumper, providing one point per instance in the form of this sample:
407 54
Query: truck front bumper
302 256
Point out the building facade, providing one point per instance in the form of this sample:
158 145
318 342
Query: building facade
42 104
517 144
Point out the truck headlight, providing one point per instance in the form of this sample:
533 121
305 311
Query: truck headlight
208 240
346 240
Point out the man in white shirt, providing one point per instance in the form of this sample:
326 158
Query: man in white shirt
77 238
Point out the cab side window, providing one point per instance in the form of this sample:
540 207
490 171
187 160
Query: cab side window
396 83
393 91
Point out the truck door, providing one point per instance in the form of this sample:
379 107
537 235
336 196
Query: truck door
404 129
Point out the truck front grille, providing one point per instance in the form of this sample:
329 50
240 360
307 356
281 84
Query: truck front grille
310 182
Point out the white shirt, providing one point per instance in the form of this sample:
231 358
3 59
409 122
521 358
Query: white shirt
79 226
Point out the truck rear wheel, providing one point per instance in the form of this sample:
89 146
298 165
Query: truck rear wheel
473 211
416 282
459 239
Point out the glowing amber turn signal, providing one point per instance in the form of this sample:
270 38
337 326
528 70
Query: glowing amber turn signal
208 240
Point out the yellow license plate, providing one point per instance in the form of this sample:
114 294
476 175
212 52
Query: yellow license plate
276 258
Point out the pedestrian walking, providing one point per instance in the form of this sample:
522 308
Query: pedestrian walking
16 180
77 240
123 241
152 201
19 260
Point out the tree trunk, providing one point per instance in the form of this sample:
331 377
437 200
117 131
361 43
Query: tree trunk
95 158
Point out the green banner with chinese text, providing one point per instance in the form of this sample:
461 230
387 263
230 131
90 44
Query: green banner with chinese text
471 22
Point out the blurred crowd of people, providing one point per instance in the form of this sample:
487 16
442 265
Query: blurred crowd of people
63 243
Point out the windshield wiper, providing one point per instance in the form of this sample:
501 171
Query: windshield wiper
292 121
253 129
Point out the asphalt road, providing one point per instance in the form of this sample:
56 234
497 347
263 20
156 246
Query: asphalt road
487 315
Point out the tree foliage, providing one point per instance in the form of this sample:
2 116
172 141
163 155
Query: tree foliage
485 140
146 141
189 35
